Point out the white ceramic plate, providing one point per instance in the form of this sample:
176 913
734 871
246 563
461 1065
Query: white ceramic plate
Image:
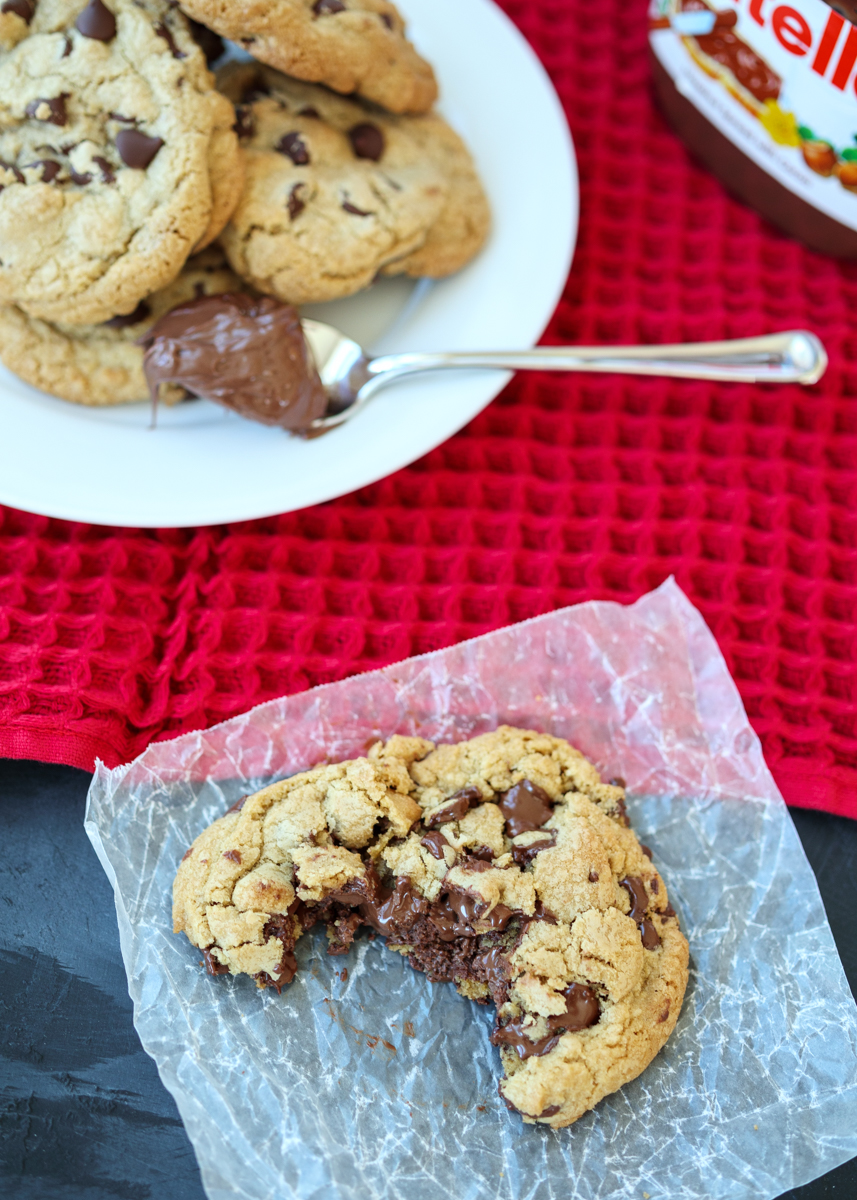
204 465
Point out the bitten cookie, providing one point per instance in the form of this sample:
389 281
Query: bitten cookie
117 157
337 191
102 364
352 46
502 864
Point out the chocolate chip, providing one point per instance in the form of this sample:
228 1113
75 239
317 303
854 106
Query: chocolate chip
210 43
367 141
134 318
646 851
233 855
25 9
294 147
51 110
67 48
636 890
106 169
352 208
550 1111
650 936
309 111
244 125
136 149
50 169
114 116
617 781
81 180
323 8
296 205
457 804
239 804
593 876
167 34
96 22
187 854
525 806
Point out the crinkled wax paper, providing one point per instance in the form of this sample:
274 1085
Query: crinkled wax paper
382 1084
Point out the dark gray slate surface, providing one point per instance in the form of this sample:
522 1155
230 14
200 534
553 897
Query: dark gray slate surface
84 1115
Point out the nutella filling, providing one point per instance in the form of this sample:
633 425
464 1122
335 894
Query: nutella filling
246 353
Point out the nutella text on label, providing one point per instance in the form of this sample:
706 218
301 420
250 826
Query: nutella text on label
779 81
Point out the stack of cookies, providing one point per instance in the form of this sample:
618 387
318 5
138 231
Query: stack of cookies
132 180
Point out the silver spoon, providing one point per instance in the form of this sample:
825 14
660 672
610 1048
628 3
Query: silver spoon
351 378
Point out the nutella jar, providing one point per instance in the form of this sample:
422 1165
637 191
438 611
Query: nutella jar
765 94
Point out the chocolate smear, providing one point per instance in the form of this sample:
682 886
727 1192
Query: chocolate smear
246 353
133 318
96 22
434 843
137 149
525 806
294 147
582 1010
367 141
454 808
212 966
25 9
51 110
550 1111
524 855
636 890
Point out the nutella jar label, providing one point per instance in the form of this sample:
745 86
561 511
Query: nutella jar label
779 81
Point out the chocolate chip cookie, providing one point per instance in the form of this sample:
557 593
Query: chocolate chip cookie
352 46
103 364
117 157
337 191
502 864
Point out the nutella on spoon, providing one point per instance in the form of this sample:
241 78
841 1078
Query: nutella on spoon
763 93
244 352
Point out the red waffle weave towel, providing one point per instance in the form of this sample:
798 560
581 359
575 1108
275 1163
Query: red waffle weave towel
564 489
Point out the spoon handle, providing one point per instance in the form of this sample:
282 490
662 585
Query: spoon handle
793 357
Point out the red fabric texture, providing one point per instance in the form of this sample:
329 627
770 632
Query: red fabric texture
563 490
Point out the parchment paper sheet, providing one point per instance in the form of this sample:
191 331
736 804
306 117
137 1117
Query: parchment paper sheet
384 1085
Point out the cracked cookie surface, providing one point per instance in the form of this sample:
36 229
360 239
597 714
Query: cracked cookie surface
502 864
102 364
337 191
117 157
351 46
